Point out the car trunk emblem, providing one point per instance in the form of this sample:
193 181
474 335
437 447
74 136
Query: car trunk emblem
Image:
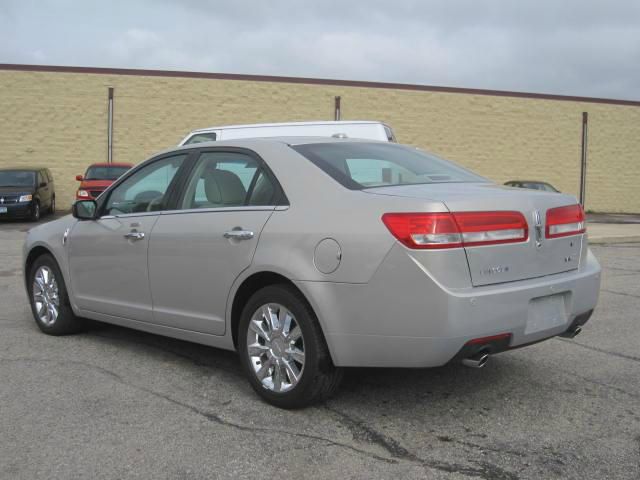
537 220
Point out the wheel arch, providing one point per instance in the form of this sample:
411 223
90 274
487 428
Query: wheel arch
35 252
252 284
33 255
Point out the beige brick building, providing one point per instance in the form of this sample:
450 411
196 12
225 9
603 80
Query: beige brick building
57 116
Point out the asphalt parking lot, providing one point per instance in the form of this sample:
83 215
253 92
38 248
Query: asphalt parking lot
116 403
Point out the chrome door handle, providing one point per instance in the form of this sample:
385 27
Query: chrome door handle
239 234
134 235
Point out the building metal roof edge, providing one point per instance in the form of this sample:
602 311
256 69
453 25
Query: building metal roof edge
310 81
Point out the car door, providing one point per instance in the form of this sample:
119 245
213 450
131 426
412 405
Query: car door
198 251
108 256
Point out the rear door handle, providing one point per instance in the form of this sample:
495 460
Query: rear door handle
134 236
239 234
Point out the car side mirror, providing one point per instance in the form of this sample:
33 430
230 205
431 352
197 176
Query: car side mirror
85 209
79 178
43 184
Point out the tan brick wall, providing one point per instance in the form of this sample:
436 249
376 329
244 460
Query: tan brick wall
60 120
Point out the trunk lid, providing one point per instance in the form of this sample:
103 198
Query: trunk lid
491 264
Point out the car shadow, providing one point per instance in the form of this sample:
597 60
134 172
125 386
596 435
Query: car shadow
381 385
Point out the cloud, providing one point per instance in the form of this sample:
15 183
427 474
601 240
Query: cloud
570 47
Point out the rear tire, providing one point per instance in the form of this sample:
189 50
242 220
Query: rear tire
52 208
307 374
49 299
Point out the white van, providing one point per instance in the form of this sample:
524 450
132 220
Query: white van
351 129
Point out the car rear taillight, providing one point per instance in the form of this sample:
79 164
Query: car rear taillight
565 221
451 230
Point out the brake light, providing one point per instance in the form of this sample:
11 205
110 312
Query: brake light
565 221
451 230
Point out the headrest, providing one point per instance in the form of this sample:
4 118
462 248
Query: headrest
223 187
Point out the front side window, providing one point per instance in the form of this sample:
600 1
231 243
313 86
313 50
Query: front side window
227 179
201 137
17 178
146 189
360 165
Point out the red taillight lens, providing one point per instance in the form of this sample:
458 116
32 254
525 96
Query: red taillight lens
424 230
450 230
565 221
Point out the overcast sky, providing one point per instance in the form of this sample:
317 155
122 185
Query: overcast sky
571 47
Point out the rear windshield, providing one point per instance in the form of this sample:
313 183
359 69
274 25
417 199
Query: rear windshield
105 173
17 178
365 165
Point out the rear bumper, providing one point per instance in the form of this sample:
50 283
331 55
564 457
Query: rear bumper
504 344
404 318
17 210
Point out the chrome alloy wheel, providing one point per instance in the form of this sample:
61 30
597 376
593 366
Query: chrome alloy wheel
45 295
275 346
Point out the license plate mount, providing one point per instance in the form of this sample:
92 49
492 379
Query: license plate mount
546 313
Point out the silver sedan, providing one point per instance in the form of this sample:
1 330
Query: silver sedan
309 254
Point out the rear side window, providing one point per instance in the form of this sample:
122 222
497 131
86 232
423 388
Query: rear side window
227 179
201 137
358 165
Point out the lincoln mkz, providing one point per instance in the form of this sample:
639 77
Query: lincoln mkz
307 255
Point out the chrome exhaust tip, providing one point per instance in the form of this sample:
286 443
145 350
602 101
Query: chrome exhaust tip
479 360
572 333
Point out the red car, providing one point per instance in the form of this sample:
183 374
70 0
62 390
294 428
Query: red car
98 177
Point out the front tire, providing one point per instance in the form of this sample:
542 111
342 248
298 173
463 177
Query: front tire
35 213
49 299
283 350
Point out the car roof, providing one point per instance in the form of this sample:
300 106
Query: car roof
291 140
289 124
23 169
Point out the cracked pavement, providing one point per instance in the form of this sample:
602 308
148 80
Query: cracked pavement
116 403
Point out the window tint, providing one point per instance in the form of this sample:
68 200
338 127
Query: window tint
360 165
374 172
263 192
17 178
390 136
105 173
145 190
227 179
202 137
